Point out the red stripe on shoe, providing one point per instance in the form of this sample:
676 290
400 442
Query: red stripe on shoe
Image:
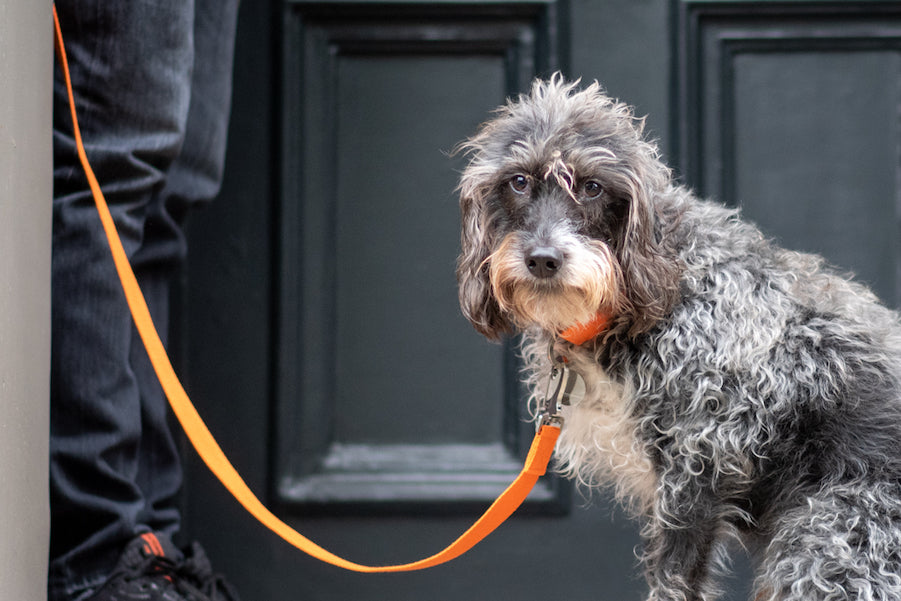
152 544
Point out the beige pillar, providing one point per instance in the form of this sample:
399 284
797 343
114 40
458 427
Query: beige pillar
26 63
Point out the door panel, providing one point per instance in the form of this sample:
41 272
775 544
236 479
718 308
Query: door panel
318 329
830 190
396 244
387 400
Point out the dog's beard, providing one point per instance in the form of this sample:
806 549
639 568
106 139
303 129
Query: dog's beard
589 282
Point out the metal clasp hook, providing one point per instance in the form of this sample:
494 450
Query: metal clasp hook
562 385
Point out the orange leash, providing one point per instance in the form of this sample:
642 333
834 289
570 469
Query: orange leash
208 448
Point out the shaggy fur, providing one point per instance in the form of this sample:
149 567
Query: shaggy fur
741 390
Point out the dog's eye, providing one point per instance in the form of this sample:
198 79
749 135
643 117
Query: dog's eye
592 189
519 183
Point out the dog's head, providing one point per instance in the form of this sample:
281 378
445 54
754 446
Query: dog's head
558 216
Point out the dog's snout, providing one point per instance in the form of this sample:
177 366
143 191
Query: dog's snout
544 261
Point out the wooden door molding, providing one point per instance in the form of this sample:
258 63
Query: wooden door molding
717 33
790 111
327 49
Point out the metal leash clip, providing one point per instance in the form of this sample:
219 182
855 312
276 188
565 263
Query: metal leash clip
563 385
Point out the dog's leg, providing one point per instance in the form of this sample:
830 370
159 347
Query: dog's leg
842 543
680 562
692 518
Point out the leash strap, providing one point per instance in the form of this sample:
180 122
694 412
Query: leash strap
208 448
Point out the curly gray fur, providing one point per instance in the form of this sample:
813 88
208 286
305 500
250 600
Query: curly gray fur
742 390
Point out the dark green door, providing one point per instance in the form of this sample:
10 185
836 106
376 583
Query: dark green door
319 332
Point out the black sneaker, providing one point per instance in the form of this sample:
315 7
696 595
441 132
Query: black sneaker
153 569
197 570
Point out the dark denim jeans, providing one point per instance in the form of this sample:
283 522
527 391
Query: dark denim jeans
152 81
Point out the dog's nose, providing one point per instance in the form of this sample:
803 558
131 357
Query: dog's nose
544 261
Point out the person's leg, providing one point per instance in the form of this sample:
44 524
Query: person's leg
156 89
131 64
193 178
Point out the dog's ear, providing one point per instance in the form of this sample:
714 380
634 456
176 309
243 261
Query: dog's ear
650 272
477 241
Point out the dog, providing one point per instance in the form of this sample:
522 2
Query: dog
733 390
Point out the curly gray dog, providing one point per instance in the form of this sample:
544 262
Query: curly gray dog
733 389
